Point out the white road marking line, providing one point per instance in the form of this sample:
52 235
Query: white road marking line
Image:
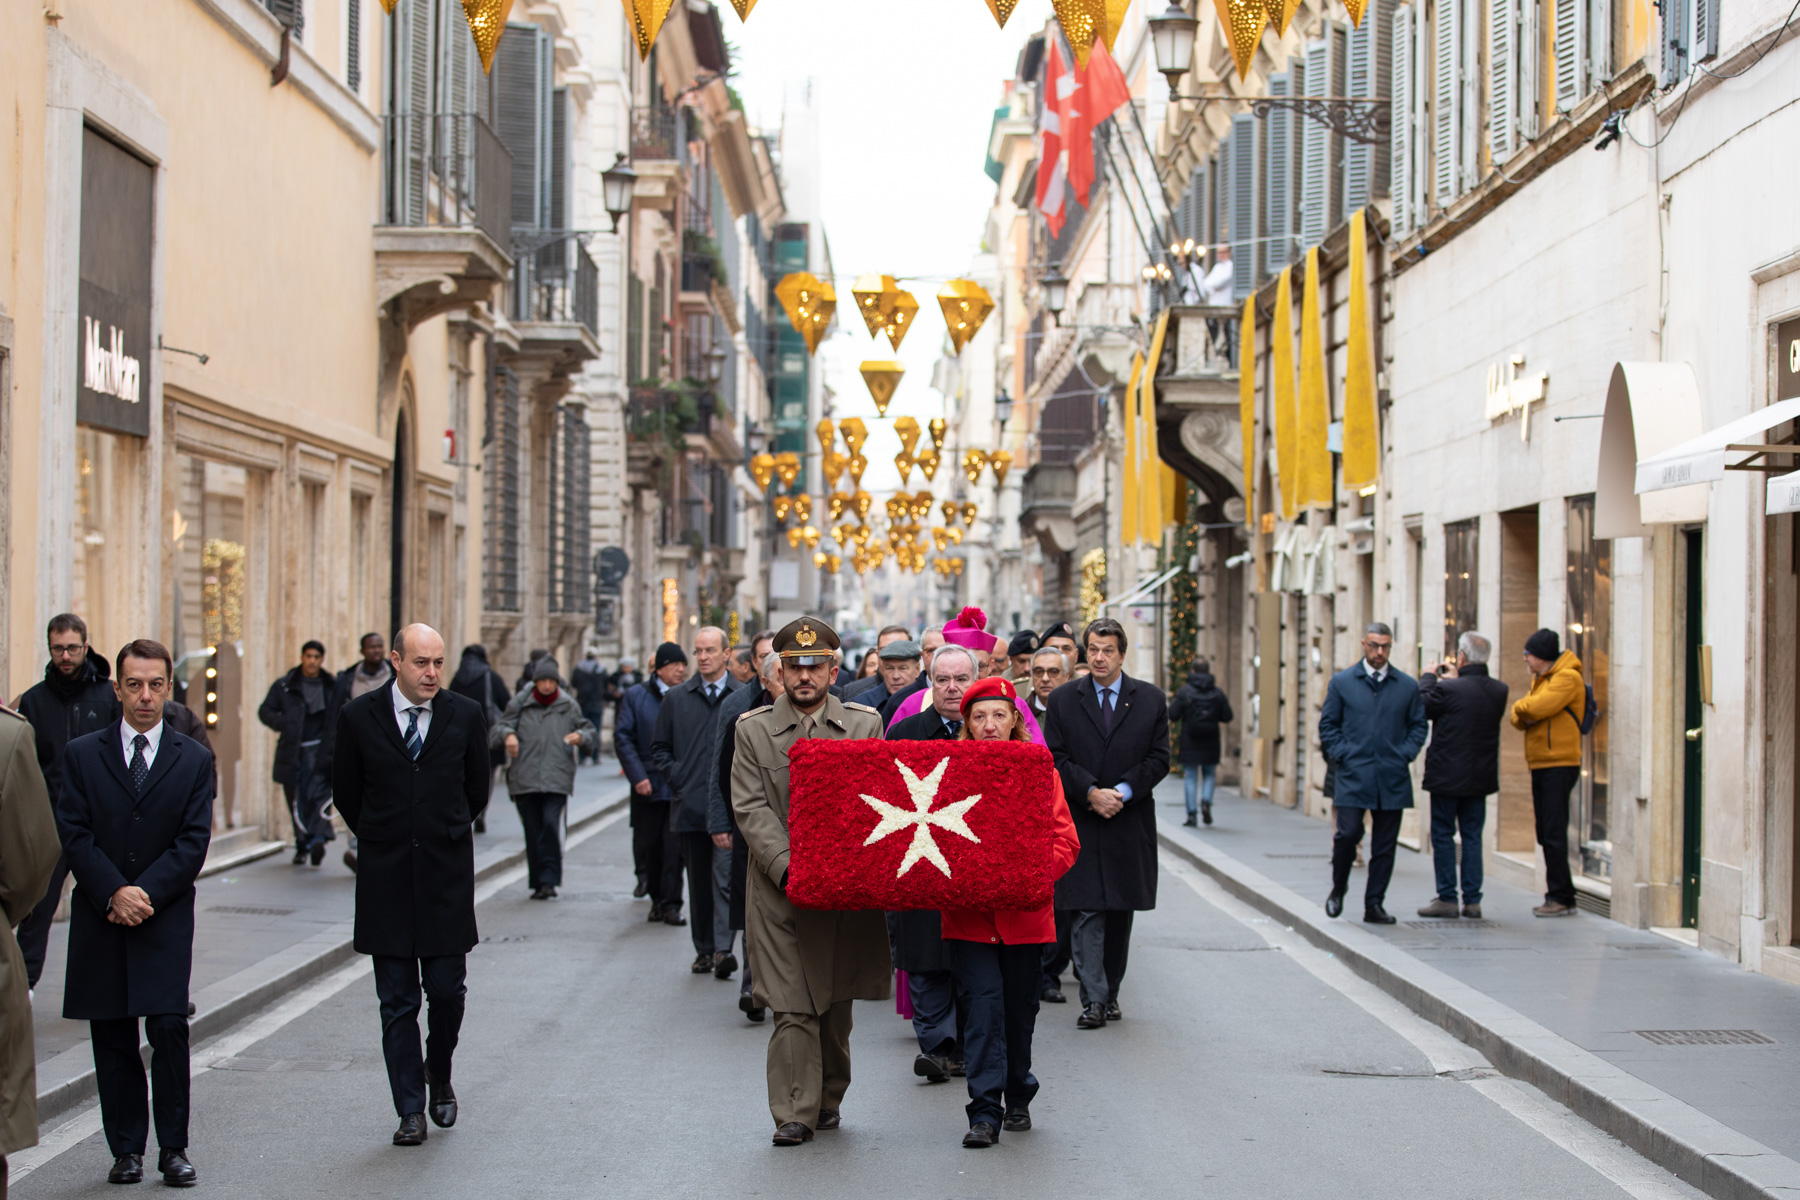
86 1122
1631 1172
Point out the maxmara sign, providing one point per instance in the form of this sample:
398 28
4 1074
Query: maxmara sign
105 366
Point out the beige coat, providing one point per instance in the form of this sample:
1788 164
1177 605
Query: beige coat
28 849
804 961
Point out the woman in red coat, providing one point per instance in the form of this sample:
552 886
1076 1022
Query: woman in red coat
997 957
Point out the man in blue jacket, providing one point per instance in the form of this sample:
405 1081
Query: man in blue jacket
1372 726
655 850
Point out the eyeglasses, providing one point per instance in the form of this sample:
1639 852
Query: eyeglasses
67 651
1372 645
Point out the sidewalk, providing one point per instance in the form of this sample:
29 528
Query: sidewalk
1685 1056
265 928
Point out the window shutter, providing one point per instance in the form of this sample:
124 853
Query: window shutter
1446 101
1245 245
1321 149
1279 135
1598 38
291 13
519 119
411 97
1369 51
1468 72
353 45
1503 79
1570 48
1222 190
1703 45
1526 77
554 260
1403 90
1675 22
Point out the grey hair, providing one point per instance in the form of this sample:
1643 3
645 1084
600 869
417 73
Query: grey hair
953 650
1379 629
771 664
1061 658
712 629
1475 646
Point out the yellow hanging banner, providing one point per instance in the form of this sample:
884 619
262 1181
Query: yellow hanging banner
1315 403
1247 405
1129 505
1281 393
1150 476
1362 433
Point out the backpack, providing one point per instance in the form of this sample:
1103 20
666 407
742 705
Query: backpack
1590 711
1204 709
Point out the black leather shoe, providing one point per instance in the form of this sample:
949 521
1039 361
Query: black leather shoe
540 893
703 964
829 1118
1092 1017
757 1014
127 1168
299 856
1052 995
931 1068
1377 915
350 860
1017 1120
792 1134
981 1135
1334 904
640 891
412 1130
655 913
956 1068
1112 1011
672 916
1191 822
443 1102
176 1170
724 965
317 856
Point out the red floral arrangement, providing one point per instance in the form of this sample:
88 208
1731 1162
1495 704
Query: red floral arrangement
928 825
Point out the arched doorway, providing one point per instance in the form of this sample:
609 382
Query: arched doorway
397 588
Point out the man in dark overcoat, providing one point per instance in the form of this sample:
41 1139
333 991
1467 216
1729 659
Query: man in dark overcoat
1110 736
135 815
410 777
1465 706
1371 725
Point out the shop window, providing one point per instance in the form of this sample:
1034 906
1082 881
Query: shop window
1589 635
210 594
362 508
1462 581
107 487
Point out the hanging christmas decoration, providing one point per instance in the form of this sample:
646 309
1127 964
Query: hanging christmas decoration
762 469
812 535
1278 12
1001 462
819 557
836 503
1002 10
1115 21
900 318
862 534
808 302
783 506
904 462
854 433
956 535
951 508
882 377
968 513
974 462
896 508
965 305
827 433
793 537
803 508
928 463
834 563
831 465
1081 21
387 6
1243 21
743 11
858 464
787 468
1356 8
646 17
938 427
940 537
920 506
873 295
487 21
861 502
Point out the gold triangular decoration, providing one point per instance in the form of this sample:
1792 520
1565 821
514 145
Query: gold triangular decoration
1243 21
1115 21
646 18
743 8
1002 9
1082 21
1356 9
487 21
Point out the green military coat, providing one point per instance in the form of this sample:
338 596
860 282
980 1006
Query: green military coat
28 848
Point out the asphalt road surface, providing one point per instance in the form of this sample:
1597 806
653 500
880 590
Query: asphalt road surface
1249 1064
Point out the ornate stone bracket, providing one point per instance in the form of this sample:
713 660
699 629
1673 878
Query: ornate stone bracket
1365 119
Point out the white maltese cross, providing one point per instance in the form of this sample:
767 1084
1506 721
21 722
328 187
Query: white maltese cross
921 818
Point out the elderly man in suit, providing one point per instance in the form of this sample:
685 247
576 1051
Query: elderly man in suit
410 777
135 816
1372 726
1110 736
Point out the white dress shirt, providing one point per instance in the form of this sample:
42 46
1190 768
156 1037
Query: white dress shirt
1378 676
153 736
403 714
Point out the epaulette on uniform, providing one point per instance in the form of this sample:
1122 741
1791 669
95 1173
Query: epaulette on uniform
759 709
857 706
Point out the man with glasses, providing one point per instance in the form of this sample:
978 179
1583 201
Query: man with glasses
76 697
1372 726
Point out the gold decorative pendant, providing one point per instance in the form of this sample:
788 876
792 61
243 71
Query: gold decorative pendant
873 294
882 378
854 433
809 303
1081 21
900 318
907 429
646 17
1001 462
903 462
966 305
487 21
1002 10
1243 22
743 11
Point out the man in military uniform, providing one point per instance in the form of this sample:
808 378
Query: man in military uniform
809 965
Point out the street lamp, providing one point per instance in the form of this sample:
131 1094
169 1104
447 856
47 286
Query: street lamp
1003 408
617 183
1056 291
715 364
1172 34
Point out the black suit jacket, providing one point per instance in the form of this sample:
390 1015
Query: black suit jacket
923 726
917 935
1117 866
113 835
1465 714
415 873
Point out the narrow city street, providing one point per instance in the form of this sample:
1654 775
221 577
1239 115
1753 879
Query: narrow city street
592 1062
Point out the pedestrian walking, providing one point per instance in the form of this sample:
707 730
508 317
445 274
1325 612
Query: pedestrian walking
302 708
868 664
135 815
1018 658
682 749
410 775
721 820
369 673
531 662
929 643
878 687
617 684
1110 736
968 630
29 851
655 852
76 697
538 737
743 664
1049 671
1201 708
1551 716
1061 636
588 681
1465 706
997 957
809 964
1372 724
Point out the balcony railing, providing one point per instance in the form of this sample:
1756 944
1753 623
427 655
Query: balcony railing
1206 339
656 132
445 169
653 413
554 281
696 273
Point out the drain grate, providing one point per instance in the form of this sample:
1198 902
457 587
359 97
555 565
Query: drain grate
1704 1037
1318 857
1447 925
251 910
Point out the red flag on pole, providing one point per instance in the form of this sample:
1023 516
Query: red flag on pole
920 825
1097 91
1052 170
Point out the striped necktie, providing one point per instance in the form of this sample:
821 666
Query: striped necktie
414 743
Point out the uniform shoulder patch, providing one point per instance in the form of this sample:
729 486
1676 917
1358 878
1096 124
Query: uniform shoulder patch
8 710
854 706
755 711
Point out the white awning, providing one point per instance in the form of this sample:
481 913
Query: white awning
1651 408
1784 494
1702 459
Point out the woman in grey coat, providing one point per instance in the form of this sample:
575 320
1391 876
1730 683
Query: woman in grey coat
540 731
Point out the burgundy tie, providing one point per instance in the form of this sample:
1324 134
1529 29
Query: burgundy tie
1106 709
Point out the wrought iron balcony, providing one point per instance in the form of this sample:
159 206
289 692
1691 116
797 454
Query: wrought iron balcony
554 280
445 169
656 133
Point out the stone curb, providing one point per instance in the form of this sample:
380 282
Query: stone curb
221 1005
1704 1152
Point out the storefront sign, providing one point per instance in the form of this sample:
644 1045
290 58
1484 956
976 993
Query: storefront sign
1510 391
113 346
1787 359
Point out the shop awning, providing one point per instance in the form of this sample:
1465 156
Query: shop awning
1651 408
1784 494
1702 459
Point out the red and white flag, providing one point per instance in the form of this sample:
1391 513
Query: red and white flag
926 825
1076 99
1052 169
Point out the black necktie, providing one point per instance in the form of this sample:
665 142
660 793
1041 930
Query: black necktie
1106 709
955 727
712 692
140 770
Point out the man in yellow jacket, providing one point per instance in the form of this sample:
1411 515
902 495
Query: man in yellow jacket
1551 715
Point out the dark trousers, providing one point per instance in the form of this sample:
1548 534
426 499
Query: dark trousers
119 1074
541 815
1100 944
1451 815
307 797
1550 788
937 1012
1057 954
597 715
34 930
655 854
1382 840
697 855
1000 985
397 985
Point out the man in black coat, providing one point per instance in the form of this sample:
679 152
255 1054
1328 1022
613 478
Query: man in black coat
135 815
1465 706
410 776
721 821
76 697
1110 736
302 707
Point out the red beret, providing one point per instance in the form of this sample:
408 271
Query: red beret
993 687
